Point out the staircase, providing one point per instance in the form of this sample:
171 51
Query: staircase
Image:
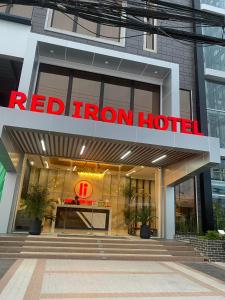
103 248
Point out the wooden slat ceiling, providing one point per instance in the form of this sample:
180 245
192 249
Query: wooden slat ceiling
96 149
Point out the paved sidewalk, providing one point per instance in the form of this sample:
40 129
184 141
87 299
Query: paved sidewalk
95 279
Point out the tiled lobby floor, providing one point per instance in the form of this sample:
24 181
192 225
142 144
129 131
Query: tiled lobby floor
32 279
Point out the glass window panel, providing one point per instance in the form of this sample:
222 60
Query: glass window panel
185 207
86 91
217 3
213 124
61 21
86 27
22 10
150 38
185 104
116 96
146 99
54 85
215 95
110 31
222 129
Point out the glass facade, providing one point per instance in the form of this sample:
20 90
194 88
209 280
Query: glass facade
185 199
2 179
90 196
84 27
218 194
216 3
70 85
17 10
215 93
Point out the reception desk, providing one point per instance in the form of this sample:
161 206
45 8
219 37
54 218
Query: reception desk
82 217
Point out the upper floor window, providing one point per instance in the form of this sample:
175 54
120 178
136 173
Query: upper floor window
102 90
149 38
185 104
17 10
83 27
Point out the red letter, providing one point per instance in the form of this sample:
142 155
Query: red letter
157 121
195 128
174 121
37 100
126 117
186 126
91 110
59 109
142 121
17 98
78 106
106 111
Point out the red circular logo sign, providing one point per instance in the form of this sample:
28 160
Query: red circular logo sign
83 189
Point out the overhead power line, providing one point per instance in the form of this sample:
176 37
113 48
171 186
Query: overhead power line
174 20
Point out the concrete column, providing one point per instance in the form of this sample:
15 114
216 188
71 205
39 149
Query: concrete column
171 93
169 206
29 68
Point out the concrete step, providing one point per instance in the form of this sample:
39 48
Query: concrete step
100 256
45 248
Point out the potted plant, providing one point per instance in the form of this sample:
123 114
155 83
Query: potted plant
37 206
144 216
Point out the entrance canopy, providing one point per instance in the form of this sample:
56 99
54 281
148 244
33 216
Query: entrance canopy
182 155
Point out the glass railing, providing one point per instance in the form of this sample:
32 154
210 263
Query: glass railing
217 3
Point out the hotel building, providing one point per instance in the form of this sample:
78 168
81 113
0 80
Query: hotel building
106 117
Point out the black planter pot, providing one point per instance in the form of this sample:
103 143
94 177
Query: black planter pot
145 232
35 228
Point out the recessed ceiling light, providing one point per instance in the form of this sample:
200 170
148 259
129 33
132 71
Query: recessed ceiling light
159 158
82 149
126 154
129 173
52 51
43 145
106 62
32 163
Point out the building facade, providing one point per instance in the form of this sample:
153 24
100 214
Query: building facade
108 120
214 75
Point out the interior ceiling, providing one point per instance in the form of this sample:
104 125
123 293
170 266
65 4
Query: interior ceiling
99 150
101 61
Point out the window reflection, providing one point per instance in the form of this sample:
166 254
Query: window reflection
85 27
17 10
185 207
185 104
146 99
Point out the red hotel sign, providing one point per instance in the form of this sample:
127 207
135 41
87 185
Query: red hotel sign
108 114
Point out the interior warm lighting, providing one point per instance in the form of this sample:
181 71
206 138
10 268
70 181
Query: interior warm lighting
128 174
89 174
82 150
43 145
74 168
126 154
159 158
106 171
46 164
32 163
